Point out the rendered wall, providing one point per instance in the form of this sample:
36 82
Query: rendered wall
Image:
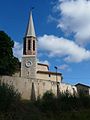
42 68
52 77
43 76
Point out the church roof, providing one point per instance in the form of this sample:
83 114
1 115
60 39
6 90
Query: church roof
30 28
48 72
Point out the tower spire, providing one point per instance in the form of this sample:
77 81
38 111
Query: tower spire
29 60
30 28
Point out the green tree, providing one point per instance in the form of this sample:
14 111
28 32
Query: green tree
8 63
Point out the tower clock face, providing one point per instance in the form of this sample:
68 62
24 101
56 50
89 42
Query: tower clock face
28 63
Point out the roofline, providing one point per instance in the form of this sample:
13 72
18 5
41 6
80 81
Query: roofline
49 72
82 85
43 65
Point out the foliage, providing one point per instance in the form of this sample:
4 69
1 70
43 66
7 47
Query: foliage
49 107
8 63
63 103
8 97
46 103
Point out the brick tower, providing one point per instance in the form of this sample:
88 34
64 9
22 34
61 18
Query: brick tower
29 61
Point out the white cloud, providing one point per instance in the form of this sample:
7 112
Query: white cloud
51 19
18 50
43 62
75 18
63 67
61 47
57 47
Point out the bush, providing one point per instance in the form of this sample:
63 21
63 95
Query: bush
8 97
45 104
64 102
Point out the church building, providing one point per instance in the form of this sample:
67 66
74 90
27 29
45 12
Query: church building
35 78
29 66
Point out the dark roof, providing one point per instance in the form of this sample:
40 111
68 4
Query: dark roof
82 85
49 72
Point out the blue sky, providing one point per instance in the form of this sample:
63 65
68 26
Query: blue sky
63 32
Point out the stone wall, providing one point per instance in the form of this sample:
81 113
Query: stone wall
32 88
28 71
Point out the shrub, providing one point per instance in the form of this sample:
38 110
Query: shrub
8 97
46 102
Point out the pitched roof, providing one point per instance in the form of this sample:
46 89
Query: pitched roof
30 27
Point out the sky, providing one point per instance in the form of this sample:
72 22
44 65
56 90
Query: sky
63 31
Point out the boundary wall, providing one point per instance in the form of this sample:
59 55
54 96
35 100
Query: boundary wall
31 88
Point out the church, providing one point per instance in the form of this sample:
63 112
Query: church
29 66
35 78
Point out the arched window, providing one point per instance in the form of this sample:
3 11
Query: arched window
33 45
29 44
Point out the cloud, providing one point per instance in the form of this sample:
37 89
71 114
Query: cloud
75 18
43 62
51 19
18 50
60 47
57 47
63 67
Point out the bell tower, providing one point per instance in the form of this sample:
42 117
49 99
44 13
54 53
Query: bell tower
29 61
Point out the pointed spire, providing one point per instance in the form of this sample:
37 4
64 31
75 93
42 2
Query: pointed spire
30 28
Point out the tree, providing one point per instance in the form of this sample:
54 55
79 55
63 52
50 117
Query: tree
9 97
8 63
